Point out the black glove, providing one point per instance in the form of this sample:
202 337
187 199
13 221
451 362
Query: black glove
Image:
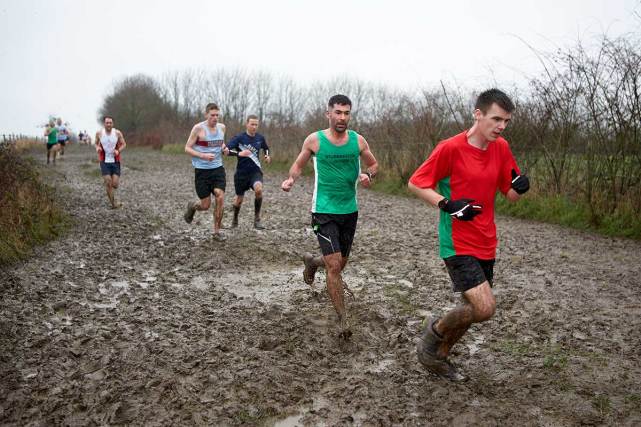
520 183
462 209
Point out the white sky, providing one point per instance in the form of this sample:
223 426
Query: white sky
61 57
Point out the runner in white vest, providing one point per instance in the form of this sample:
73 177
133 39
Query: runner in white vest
63 135
109 144
206 145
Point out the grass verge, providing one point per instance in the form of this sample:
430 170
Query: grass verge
555 210
560 210
28 212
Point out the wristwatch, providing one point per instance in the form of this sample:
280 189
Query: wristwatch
442 203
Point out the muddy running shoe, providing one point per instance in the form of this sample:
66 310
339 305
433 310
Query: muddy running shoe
452 373
345 328
427 347
219 237
258 225
427 351
310 270
189 213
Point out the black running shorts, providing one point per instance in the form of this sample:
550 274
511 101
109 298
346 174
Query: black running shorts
335 232
109 169
468 272
246 181
208 179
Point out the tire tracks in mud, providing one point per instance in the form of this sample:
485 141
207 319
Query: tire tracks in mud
135 317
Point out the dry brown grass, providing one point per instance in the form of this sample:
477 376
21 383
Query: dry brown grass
28 213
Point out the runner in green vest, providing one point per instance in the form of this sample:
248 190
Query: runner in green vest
336 153
51 132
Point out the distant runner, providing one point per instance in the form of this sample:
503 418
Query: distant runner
206 145
461 177
249 174
336 153
109 145
51 132
63 135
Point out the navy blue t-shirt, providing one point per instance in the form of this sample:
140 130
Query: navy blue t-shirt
255 143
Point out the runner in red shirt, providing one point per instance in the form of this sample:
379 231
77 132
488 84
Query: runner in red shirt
462 177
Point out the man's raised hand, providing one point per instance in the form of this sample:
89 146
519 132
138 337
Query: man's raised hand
520 183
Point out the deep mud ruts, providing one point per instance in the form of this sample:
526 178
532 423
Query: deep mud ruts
135 317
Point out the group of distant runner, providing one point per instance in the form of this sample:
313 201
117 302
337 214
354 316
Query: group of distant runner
460 177
57 136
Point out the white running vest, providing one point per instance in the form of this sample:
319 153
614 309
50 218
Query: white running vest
108 142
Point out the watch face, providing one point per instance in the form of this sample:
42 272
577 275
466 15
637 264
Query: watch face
442 203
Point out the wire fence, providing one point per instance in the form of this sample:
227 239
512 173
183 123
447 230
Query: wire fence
11 138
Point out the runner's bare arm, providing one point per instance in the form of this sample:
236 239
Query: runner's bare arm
512 195
371 165
310 146
224 147
189 146
428 195
98 145
120 144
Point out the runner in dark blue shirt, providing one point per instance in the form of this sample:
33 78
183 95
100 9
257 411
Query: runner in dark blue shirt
249 174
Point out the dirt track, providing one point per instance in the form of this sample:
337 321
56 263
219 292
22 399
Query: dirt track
135 317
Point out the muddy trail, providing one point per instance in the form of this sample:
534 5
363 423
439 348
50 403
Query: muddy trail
135 317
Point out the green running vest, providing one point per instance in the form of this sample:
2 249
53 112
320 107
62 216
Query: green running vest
336 170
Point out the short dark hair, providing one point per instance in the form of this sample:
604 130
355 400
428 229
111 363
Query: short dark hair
494 96
252 117
211 106
107 117
340 100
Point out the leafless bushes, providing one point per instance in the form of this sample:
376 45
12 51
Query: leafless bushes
581 126
576 130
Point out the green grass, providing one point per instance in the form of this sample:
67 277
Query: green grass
173 148
283 165
554 357
390 186
560 210
401 299
633 400
602 404
254 418
515 348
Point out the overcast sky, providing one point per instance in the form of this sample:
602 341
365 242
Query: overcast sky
62 57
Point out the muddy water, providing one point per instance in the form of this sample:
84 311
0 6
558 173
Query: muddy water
135 317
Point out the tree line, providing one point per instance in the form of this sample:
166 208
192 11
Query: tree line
576 130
